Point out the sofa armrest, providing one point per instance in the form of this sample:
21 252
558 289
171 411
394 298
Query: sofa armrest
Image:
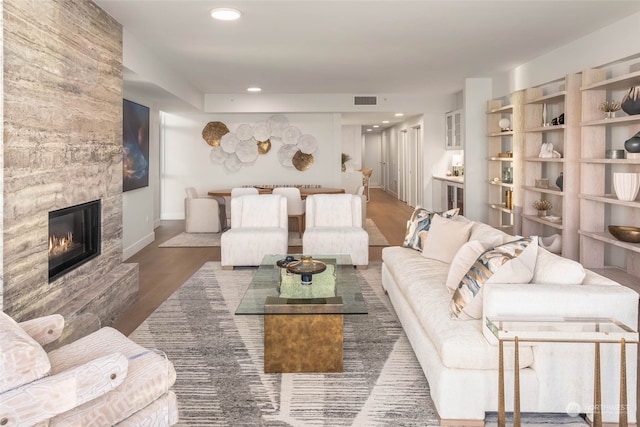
44 329
56 394
538 300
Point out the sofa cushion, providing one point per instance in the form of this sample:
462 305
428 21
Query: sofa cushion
445 238
466 256
22 359
511 262
419 224
553 269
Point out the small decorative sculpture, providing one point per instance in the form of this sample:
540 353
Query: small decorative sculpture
547 151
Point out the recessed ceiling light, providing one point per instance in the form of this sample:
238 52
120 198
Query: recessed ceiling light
376 126
384 122
369 130
225 14
254 89
399 114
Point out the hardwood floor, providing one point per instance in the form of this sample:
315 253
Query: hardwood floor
163 270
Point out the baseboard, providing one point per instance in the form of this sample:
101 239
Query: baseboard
461 423
133 249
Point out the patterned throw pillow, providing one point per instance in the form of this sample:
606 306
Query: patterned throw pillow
511 262
419 224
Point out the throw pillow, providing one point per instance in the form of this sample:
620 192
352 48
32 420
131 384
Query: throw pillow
445 238
511 262
23 359
419 224
465 257
553 269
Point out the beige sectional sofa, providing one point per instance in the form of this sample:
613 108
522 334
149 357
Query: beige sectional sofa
460 357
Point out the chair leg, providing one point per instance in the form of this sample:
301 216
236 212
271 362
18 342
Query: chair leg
300 222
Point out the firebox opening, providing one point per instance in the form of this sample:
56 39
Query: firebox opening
74 237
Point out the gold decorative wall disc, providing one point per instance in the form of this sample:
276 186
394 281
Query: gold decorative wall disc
264 146
213 131
302 161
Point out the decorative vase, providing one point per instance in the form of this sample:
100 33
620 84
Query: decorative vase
626 185
542 213
632 145
631 102
560 181
344 167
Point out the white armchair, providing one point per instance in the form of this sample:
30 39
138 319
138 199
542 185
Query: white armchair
201 214
259 226
235 192
334 226
101 379
295 204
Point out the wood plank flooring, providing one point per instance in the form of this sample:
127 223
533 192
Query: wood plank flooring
163 270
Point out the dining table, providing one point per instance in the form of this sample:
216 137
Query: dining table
304 192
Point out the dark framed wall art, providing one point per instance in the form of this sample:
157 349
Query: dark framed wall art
135 146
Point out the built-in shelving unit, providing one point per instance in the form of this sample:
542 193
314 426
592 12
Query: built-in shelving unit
501 170
599 207
543 105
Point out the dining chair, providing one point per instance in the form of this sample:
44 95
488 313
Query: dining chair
201 214
366 177
295 204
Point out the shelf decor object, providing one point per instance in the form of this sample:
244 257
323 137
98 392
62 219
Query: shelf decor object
632 145
625 233
542 206
631 102
504 124
609 108
626 185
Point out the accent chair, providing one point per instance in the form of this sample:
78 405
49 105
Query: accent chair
334 226
259 226
103 378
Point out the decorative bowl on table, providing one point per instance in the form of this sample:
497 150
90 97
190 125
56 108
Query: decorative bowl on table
306 268
625 233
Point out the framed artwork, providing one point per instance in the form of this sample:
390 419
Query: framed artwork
135 146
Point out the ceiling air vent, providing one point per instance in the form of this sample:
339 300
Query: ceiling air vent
365 100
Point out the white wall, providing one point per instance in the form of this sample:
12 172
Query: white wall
352 145
185 157
139 217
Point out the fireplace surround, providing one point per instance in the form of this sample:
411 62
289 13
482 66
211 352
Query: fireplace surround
74 237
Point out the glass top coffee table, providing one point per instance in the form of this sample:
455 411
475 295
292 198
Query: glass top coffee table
304 334
266 280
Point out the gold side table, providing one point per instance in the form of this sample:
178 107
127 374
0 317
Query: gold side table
562 330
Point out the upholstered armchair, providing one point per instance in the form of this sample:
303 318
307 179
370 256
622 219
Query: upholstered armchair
259 226
295 204
334 226
235 192
101 379
201 214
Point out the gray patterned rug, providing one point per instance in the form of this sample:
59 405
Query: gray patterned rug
219 362
197 240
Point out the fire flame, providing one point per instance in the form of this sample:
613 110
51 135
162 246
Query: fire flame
59 245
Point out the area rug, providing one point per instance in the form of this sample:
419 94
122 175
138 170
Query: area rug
218 357
197 240
219 362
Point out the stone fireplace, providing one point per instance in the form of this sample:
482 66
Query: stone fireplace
62 72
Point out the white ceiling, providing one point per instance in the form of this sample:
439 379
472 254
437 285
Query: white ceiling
365 47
